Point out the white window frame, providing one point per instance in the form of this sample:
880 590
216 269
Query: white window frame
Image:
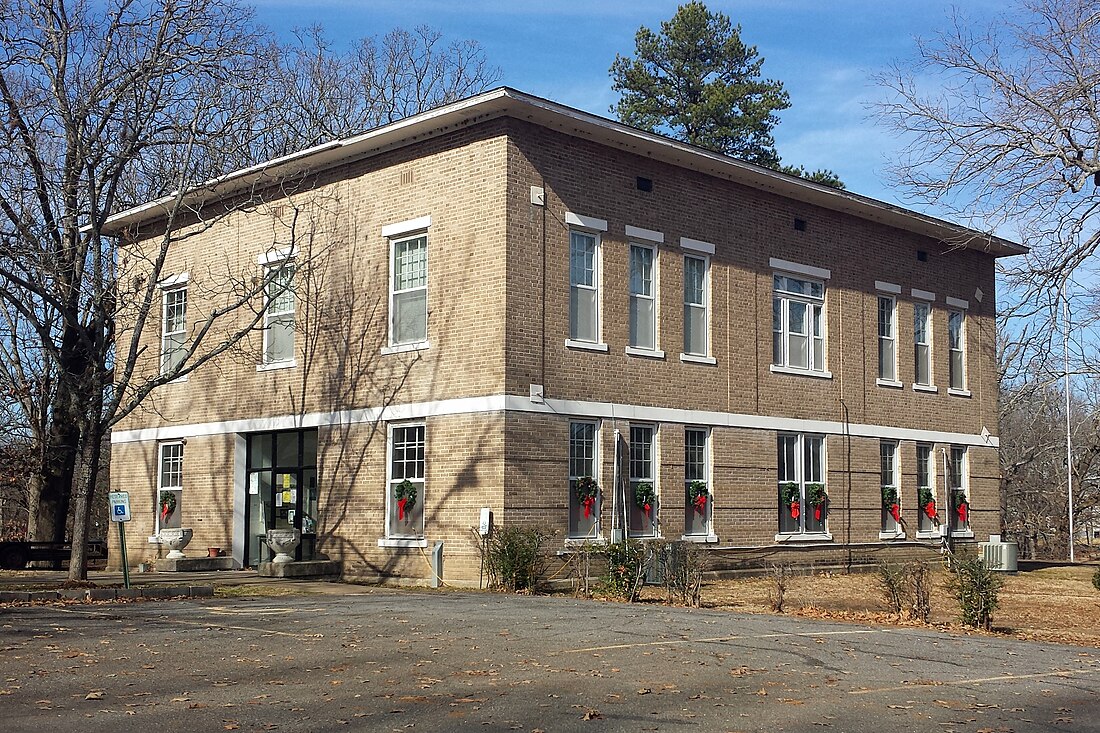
800 471
397 235
635 478
708 521
926 345
176 287
273 262
571 500
703 356
783 298
162 486
887 339
393 538
958 455
929 469
594 228
956 346
890 476
635 349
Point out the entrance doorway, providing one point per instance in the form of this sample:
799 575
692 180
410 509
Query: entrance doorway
282 491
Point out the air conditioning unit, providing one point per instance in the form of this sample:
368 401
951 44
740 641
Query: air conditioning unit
998 555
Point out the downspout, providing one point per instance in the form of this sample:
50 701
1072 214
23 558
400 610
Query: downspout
848 498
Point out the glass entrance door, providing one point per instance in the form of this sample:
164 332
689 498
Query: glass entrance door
282 491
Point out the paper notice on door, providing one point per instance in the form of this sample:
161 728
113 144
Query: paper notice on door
278 499
293 495
286 481
254 484
287 498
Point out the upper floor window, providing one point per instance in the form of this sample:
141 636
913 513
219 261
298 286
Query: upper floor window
695 305
887 339
922 344
409 290
956 345
584 286
279 313
643 297
798 323
173 328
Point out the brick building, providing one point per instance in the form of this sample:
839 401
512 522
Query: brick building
484 304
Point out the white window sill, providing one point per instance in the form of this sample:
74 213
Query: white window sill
582 541
646 353
709 539
395 542
963 534
276 365
586 345
777 369
889 383
403 348
155 540
804 537
899 535
925 388
933 535
958 392
697 359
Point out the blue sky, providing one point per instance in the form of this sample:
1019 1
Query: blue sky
823 51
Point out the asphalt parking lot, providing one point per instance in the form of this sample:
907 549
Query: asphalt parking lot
384 660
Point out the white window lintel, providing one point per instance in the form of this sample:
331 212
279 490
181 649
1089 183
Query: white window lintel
409 226
585 222
174 281
886 287
923 294
646 235
957 303
696 245
274 256
798 269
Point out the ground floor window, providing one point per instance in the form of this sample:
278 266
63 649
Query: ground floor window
169 508
927 511
699 503
889 486
584 489
282 490
405 498
803 501
960 491
643 483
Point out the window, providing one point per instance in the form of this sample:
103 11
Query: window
956 366
803 502
170 487
891 496
405 498
643 485
584 489
173 329
409 291
926 491
798 324
922 344
643 299
695 306
887 339
279 314
698 507
584 288
960 493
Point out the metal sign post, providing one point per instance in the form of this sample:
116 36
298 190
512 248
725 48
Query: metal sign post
120 514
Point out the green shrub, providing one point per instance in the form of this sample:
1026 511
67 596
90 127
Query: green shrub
514 557
626 562
977 589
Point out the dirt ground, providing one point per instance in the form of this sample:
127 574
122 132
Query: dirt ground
1055 604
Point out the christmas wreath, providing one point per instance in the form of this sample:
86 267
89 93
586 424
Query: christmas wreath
927 502
586 489
816 497
962 505
698 494
405 493
645 496
890 502
167 504
789 494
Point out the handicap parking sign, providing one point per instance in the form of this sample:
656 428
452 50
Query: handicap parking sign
120 506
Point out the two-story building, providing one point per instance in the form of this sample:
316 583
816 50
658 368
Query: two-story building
511 304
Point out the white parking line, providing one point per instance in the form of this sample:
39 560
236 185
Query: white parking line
719 639
1059 674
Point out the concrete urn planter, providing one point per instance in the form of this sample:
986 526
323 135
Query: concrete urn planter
176 539
283 542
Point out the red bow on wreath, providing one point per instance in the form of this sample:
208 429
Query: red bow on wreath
646 507
700 503
795 509
895 512
588 502
930 510
963 511
165 510
817 511
401 508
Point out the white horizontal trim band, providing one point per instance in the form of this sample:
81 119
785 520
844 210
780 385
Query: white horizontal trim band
887 287
923 294
697 245
406 227
819 272
572 408
586 222
647 235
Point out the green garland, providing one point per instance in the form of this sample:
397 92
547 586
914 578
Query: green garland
644 495
586 488
405 490
889 496
815 494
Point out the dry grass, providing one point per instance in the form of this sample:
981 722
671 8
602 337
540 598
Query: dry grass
1057 604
